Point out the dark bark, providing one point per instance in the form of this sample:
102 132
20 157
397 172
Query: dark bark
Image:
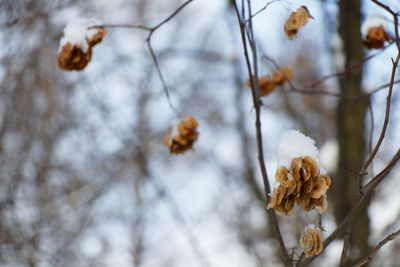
351 128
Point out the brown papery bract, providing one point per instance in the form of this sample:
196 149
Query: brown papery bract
311 241
376 38
297 19
72 57
302 184
184 140
282 75
267 85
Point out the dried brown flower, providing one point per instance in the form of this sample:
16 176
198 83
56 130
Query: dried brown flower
322 184
283 177
286 206
376 37
267 85
277 197
321 204
97 37
282 75
72 57
311 241
297 19
302 184
186 134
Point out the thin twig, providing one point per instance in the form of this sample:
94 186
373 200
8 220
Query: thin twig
151 30
389 96
255 89
377 89
131 26
360 200
354 208
378 178
343 72
173 14
371 115
395 22
261 10
160 75
375 250
174 208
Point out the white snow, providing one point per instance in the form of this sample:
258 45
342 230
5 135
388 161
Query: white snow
77 33
312 226
329 154
371 22
174 131
294 144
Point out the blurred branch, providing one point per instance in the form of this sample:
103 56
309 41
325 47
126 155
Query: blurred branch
371 186
367 258
151 30
261 10
389 96
361 198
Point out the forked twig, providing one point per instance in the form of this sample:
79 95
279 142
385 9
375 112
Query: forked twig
151 30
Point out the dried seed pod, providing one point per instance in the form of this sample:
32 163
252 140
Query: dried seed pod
73 58
376 38
96 35
322 205
297 19
266 85
302 185
286 207
311 241
283 176
308 187
290 190
304 202
297 163
320 186
277 197
282 75
180 138
312 165
77 44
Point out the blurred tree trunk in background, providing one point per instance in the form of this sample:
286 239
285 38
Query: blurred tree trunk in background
351 127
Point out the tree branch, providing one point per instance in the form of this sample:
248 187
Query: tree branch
151 30
255 89
375 250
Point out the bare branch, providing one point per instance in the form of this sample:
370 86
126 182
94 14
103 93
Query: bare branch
173 14
160 75
389 96
261 10
151 30
396 22
140 27
360 200
255 89
375 250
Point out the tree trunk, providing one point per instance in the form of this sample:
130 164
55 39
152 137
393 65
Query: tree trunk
351 129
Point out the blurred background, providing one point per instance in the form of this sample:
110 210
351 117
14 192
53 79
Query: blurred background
85 179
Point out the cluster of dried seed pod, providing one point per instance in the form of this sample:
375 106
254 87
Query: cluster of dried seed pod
311 241
297 19
77 56
302 184
279 77
181 137
376 38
